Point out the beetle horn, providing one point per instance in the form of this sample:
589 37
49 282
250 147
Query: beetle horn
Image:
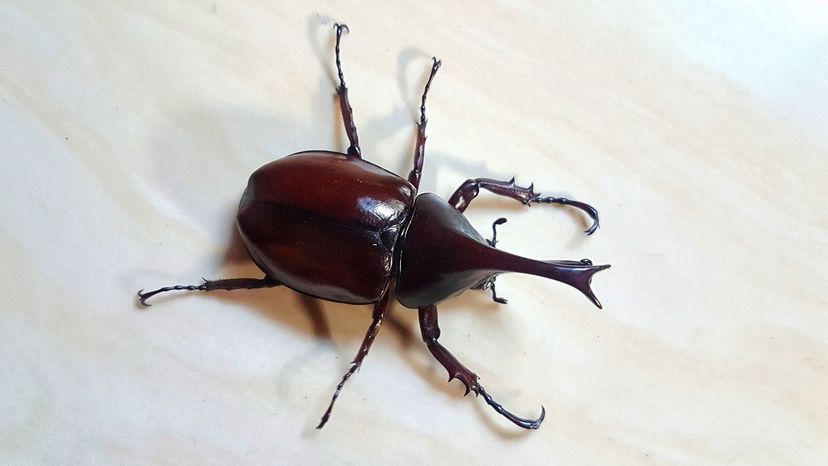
577 274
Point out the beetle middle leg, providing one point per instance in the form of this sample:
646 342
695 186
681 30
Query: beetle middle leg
380 309
210 285
431 332
347 112
419 151
470 188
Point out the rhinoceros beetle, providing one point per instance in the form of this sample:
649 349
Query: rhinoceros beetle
337 227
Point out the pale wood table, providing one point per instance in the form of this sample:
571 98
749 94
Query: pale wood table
128 130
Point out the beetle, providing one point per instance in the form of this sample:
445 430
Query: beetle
337 227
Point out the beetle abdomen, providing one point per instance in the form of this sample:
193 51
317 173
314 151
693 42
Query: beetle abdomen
325 224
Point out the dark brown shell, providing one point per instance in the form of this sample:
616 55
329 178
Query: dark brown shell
325 224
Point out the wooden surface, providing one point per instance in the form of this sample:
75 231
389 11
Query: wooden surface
698 129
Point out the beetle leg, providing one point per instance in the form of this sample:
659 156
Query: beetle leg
493 242
495 297
593 214
419 151
344 103
456 370
210 285
490 283
470 188
380 309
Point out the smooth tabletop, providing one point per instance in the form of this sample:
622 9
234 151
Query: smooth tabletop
698 130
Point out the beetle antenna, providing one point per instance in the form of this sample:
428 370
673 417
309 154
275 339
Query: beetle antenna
434 67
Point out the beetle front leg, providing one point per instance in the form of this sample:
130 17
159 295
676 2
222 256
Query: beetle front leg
380 309
490 283
419 151
470 188
347 112
210 285
431 332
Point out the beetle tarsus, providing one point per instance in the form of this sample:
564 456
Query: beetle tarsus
344 103
489 284
143 297
517 420
327 415
419 150
588 209
431 332
497 298
339 28
434 67
210 285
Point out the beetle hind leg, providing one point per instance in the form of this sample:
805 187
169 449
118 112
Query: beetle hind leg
210 285
380 309
431 332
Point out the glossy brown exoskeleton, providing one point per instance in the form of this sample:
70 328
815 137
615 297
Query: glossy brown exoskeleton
337 227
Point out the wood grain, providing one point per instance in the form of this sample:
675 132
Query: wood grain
696 128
